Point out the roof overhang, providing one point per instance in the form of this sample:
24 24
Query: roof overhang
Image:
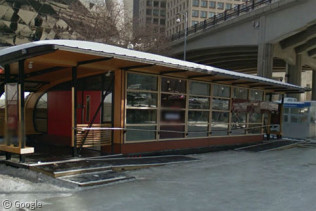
52 60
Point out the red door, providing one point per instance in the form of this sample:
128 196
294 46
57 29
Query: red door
88 103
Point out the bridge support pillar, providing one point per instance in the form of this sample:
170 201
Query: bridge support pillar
265 60
314 86
295 74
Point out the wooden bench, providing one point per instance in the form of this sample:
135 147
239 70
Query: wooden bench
16 150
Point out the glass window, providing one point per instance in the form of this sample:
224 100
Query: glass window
172 116
240 93
197 88
238 129
173 101
199 103
219 129
239 117
211 14
195 3
140 133
229 6
220 5
255 95
197 131
203 14
286 118
162 13
195 13
198 117
176 131
141 82
221 91
255 117
148 11
220 117
173 85
139 99
107 108
220 104
212 4
156 3
163 4
156 12
141 116
149 3
254 129
203 3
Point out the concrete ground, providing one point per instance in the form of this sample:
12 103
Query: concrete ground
230 180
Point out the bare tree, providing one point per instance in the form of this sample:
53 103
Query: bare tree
109 23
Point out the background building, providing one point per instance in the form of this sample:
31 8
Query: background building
150 13
198 10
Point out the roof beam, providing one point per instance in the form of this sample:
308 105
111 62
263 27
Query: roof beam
173 71
137 66
201 76
227 79
260 85
44 71
94 61
244 83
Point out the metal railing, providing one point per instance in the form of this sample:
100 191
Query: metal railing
221 17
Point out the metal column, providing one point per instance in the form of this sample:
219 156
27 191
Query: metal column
74 111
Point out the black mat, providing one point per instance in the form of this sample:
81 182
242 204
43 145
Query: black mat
268 146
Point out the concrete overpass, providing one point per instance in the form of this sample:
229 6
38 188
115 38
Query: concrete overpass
278 35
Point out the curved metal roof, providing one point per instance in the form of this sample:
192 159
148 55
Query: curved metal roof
29 50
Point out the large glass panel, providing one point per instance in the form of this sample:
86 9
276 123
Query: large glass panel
138 99
140 133
141 82
255 117
173 101
197 131
198 116
220 104
173 85
141 116
171 131
221 91
239 117
240 93
107 108
254 128
197 88
255 95
219 129
220 117
238 129
170 117
199 102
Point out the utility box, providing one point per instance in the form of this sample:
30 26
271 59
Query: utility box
299 119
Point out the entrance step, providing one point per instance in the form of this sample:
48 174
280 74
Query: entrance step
103 164
96 178
269 146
